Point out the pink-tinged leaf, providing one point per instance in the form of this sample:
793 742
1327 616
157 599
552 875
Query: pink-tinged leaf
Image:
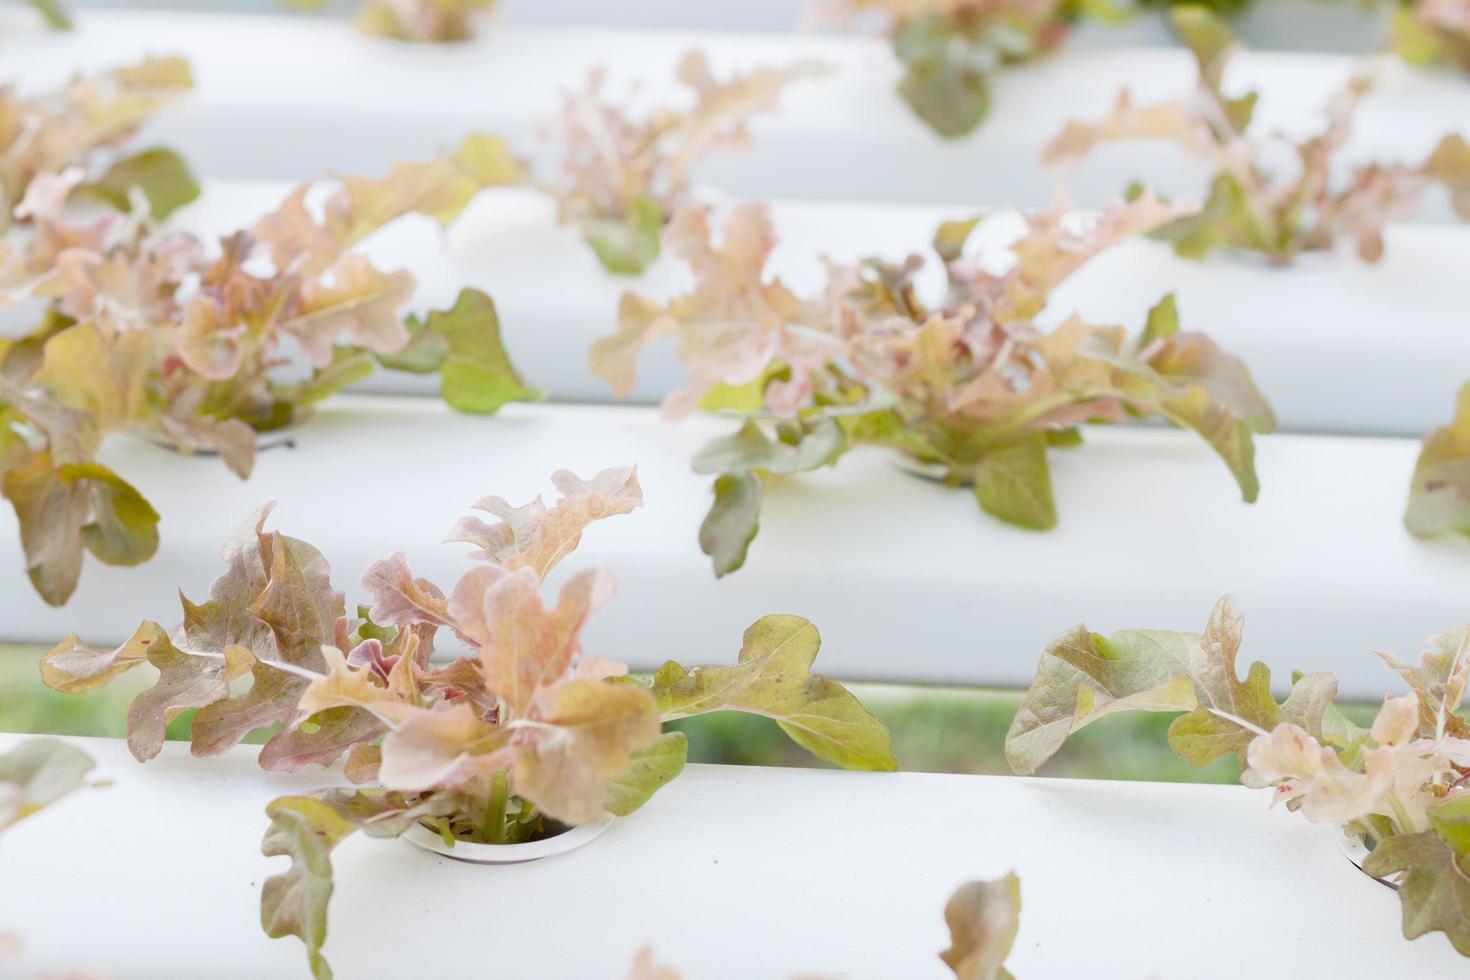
185 680
399 599
360 302
530 647
440 747
334 732
538 538
584 734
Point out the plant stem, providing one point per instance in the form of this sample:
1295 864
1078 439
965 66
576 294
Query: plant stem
492 824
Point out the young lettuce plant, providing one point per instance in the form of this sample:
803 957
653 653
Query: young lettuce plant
951 48
1439 494
80 126
525 733
622 176
1251 206
1400 787
149 332
983 918
969 386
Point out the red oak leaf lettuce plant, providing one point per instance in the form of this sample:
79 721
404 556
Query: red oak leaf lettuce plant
969 385
622 175
148 331
1251 205
983 918
951 48
1439 494
1400 786
524 733
79 127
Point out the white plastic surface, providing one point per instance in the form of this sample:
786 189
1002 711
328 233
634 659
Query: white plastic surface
729 873
1336 344
906 579
1298 25
290 97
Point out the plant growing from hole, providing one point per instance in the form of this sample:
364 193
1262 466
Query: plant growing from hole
969 385
1439 493
983 918
1251 205
433 21
524 733
622 175
1400 786
81 125
950 49
148 331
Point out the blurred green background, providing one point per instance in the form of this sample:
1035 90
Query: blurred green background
934 729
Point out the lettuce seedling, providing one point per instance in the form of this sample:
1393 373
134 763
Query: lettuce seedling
1400 786
621 177
81 125
969 385
1427 32
951 48
983 918
1252 206
525 733
1439 494
148 331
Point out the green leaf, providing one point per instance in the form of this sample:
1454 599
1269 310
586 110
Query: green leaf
628 247
1433 878
1013 483
1083 676
161 174
773 678
306 829
477 374
653 769
732 522
55 13
63 509
1439 493
942 83
797 449
1163 321
294 903
983 919
124 526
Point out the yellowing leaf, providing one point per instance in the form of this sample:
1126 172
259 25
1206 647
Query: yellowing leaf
1439 495
1084 676
773 678
983 919
1014 483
